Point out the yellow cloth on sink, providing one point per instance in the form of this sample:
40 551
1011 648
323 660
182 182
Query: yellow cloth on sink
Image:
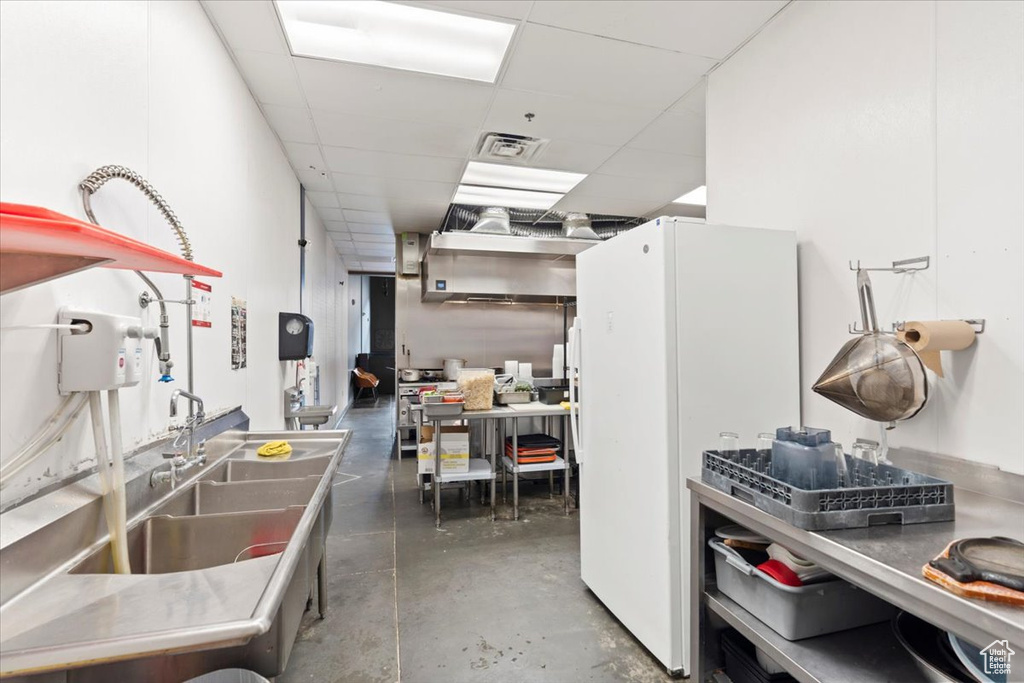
277 450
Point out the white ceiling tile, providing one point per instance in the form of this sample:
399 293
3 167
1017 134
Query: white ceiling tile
389 135
346 247
356 216
404 166
378 266
562 62
367 238
508 9
375 250
572 155
248 24
603 205
304 156
568 118
322 199
336 226
681 133
329 214
363 228
362 202
317 181
290 124
371 91
648 190
417 221
271 77
353 183
640 163
695 101
710 27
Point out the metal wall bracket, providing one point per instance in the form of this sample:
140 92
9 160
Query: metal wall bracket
977 323
145 299
910 265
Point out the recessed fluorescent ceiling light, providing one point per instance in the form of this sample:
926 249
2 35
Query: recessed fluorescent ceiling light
396 36
697 197
499 196
520 177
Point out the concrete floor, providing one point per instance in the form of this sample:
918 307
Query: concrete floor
475 601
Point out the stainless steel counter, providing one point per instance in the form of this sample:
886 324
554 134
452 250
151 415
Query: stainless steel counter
61 618
516 410
885 560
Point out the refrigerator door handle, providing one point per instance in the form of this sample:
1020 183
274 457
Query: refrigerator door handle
574 367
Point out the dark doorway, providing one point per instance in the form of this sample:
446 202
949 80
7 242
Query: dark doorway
381 356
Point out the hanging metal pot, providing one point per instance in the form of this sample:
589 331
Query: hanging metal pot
875 375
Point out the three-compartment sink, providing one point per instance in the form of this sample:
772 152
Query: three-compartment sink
238 510
222 569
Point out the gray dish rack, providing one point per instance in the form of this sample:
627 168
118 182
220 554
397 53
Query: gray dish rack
877 494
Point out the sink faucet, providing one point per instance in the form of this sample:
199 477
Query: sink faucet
192 457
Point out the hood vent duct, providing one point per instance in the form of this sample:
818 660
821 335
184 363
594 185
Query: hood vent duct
535 223
493 220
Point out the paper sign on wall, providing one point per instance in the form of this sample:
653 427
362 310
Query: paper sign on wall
238 324
202 294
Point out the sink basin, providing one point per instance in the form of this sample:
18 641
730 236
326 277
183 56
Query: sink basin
165 544
208 497
312 415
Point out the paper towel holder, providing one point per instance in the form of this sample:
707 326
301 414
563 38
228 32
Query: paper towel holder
977 323
909 265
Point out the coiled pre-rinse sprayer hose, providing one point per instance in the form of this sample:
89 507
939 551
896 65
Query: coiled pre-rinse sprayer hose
89 186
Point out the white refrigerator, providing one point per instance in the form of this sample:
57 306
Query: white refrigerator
683 330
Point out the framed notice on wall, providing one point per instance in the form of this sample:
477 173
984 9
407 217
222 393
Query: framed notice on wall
202 294
238 320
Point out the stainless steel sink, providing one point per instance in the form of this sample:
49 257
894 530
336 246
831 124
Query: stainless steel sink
310 415
164 544
223 567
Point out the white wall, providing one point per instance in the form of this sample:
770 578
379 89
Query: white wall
150 86
882 131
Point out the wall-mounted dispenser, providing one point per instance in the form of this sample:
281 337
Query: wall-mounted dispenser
107 355
294 336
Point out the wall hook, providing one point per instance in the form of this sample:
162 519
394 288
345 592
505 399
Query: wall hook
909 265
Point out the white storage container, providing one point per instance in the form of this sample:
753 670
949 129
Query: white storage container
795 612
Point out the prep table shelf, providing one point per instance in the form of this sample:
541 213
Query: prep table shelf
479 470
832 658
557 465
883 560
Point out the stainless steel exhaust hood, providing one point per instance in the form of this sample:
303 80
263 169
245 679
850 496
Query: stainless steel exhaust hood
473 267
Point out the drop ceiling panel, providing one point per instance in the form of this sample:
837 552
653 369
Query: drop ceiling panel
508 9
571 155
318 181
248 24
336 226
681 133
648 190
389 135
322 199
363 228
329 214
606 205
641 163
346 247
368 238
304 156
362 202
385 164
291 124
562 62
695 101
271 77
371 91
711 28
566 118
359 216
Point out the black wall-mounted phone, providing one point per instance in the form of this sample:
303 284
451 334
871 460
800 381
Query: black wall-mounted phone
294 336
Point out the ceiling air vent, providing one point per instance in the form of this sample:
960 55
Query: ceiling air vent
507 147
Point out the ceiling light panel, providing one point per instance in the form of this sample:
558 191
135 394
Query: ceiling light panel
695 197
396 36
498 196
520 177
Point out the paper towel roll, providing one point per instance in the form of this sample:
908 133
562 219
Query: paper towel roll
929 337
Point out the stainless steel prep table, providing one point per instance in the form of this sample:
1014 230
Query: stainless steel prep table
514 413
884 560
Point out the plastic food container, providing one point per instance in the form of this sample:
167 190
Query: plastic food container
477 385
795 612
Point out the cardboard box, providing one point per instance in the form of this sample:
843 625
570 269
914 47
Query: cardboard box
454 450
